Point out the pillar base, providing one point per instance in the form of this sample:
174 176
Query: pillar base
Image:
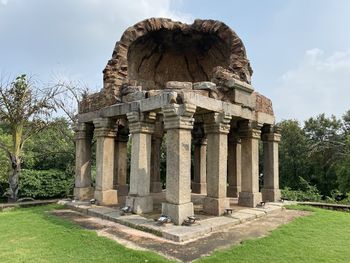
156 187
199 188
249 199
178 213
123 190
233 191
84 193
140 204
271 195
215 206
107 197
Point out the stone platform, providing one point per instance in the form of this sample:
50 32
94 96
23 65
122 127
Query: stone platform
204 226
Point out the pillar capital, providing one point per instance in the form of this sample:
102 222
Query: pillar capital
250 129
104 127
140 122
83 131
271 137
216 122
179 116
271 133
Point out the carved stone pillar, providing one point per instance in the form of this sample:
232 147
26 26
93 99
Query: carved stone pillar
234 168
216 126
250 135
199 183
105 135
83 139
121 161
141 126
178 123
157 137
271 138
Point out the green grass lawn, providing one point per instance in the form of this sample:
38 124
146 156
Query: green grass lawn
30 235
323 236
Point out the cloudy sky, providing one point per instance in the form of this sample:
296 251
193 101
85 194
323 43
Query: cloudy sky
299 50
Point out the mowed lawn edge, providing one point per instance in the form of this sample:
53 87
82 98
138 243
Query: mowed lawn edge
33 235
322 236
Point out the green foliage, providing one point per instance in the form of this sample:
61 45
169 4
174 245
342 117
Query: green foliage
45 184
319 153
306 192
294 163
50 149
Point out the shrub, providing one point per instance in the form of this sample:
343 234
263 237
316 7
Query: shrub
45 184
306 193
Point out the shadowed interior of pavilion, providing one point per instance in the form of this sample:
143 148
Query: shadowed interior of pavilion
189 84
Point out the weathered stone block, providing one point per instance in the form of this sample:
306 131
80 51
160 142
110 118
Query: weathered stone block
178 213
106 197
140 204
249 199
271 195
215 206
178 85
134 96
130 89
84 193
204 85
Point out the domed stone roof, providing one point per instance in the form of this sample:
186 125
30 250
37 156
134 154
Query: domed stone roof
156 54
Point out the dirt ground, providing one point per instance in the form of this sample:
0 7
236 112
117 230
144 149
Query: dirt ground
188 251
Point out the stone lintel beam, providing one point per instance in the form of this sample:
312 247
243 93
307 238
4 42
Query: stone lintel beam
216 126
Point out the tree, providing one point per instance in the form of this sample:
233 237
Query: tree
24 110
325 150
293 154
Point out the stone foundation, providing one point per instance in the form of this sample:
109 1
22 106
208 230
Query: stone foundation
215 206
106 197
140 204
249 199
178 213
271 195
84 193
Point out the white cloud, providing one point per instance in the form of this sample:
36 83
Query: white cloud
4 2
45 36
319 84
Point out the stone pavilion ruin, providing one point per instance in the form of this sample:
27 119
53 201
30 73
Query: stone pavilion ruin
192 85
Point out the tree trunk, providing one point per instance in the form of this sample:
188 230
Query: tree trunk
14 178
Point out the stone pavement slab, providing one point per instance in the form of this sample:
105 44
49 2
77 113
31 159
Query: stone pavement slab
206 226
